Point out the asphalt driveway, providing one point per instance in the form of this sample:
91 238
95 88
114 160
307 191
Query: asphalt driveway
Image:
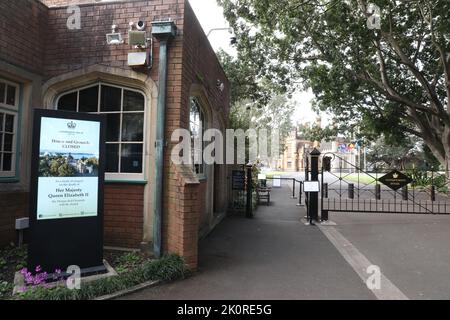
273 256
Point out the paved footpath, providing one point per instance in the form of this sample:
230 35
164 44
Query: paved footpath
273 256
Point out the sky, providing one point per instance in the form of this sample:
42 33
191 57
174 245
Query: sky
211 16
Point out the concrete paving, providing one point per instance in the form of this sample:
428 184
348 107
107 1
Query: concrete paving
273 256
411 250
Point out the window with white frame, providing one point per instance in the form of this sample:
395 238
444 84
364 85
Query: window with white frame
9 110
125 112
197 128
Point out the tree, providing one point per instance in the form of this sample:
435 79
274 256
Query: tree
256 103
394 79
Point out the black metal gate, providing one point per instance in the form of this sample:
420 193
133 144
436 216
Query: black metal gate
347 188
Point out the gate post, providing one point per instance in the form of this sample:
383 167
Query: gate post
314 196
249 207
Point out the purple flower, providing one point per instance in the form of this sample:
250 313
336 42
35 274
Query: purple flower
58 271
38 269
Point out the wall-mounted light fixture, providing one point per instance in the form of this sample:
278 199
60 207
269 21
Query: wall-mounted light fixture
114 37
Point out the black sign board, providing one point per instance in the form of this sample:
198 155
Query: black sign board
395 180
238 180
66 191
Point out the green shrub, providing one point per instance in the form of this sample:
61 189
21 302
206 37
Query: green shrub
427 178
5 289
128 261
167 268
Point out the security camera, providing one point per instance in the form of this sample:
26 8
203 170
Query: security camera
140 25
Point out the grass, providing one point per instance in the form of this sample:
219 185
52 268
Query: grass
270 174
363 178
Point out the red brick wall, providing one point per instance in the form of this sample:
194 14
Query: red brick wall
69 50
23 25
201 66
13 205
124 215
190 59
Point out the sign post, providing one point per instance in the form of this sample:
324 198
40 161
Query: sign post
66 191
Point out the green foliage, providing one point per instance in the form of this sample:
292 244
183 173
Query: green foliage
5 289
428 178
56 166
256 103
167 268
389 81
93 161
127 262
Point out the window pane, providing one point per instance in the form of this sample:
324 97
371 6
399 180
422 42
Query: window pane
131 161
1 121
133 127
133 101
113 127
68 102
2 92
111 99
112 158
11 95
7 145
89 100
9 123
7 162
1 141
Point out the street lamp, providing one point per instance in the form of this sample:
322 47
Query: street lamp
230 30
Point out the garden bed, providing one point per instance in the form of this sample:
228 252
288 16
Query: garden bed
133 268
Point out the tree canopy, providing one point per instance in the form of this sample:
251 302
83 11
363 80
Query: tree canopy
392 78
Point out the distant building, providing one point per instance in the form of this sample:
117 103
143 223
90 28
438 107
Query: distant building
346 151
292 158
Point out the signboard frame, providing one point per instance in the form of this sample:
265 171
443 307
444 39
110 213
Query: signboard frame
238 184
311 186
61 242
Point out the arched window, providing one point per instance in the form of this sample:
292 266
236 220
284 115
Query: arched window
125 112
9 111
197 128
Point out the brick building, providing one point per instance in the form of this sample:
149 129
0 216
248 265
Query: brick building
46 63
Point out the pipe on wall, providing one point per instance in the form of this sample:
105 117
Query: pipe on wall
163 31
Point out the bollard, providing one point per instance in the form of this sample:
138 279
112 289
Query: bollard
324 215
377 191
299 194
405 193
293 189
351 191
